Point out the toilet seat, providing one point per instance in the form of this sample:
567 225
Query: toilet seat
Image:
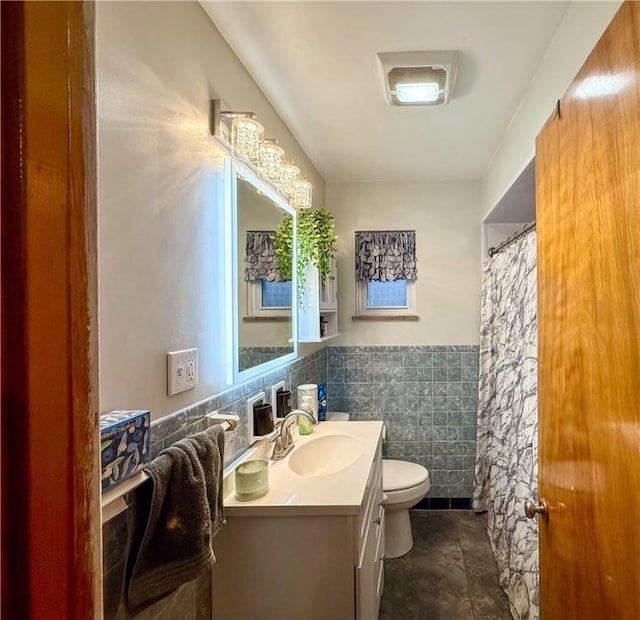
401 475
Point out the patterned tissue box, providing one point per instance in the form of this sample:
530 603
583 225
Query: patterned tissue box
125 445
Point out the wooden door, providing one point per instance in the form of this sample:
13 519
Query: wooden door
51 557
588 222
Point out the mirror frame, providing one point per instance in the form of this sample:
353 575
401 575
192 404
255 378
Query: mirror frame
232 170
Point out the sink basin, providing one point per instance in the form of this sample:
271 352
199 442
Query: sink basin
325 455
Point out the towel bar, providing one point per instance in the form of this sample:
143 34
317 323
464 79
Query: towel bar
113 499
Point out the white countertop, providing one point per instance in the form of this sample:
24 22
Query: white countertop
291 494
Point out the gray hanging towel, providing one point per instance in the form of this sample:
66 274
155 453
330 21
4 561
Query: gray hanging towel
174 517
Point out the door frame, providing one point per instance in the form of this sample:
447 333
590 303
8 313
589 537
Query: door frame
50 512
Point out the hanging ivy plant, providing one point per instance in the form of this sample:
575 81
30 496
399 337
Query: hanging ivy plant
283 245
316 245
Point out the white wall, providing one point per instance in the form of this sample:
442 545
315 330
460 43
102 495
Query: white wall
579 31
159 202
446 218
495 234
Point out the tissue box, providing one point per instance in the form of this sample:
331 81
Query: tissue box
125 445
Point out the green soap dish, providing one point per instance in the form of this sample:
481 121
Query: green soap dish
252 479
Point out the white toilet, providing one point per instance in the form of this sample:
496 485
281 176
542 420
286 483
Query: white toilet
404 485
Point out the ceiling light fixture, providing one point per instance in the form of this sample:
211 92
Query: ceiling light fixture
418 92
418 78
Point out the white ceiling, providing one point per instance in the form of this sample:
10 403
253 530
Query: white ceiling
316 62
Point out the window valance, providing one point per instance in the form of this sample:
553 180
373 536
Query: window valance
386 255
261 262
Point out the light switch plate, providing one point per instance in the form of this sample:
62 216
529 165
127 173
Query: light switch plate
182 371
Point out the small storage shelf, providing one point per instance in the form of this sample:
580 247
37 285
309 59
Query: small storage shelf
324 338
320 304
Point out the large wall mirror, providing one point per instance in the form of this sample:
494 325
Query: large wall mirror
264 311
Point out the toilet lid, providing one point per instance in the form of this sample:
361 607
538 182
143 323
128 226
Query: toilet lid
398 475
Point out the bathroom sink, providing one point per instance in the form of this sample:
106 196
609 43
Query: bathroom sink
325 455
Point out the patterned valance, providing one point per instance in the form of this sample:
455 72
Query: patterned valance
386 255
261 262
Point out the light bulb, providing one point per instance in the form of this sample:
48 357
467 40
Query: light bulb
246 137
271 157
302 194
288 177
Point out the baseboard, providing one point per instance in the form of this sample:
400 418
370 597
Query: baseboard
444 503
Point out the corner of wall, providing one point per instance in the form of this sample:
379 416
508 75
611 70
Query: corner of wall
577 34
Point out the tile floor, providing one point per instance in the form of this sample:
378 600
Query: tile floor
449 574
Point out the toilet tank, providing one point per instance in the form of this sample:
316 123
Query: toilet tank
338 416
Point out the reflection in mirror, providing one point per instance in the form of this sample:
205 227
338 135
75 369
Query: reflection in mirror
264 298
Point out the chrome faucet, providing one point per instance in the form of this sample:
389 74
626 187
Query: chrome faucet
284 441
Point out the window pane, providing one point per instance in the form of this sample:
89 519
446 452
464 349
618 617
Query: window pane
276 294
387 294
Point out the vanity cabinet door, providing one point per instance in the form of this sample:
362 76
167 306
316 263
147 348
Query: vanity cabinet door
367 603
369 573
329 290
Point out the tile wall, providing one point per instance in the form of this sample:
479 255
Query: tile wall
253 356
193 600
427 395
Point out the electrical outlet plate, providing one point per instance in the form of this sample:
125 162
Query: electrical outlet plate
182 371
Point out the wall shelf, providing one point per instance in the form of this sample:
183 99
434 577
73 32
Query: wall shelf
319 301
324 338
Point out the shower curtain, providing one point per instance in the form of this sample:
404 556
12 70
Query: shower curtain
507 454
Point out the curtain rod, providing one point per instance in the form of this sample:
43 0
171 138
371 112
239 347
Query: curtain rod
509 240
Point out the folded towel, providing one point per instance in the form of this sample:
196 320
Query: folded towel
210 447
174 517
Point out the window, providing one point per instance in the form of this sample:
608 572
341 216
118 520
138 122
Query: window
394 298
385 273
387 294
268 296
269 299
276 294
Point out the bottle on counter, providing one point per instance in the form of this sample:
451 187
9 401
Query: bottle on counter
308 402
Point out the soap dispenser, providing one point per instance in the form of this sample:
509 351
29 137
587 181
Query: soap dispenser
307 401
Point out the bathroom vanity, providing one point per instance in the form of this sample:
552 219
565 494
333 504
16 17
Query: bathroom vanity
312 548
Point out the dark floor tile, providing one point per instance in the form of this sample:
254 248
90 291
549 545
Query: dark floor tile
434 527
449 574
426 583
491 609
487 595
471 523
444 607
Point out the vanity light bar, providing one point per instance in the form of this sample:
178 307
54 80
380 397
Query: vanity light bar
216 115
268 159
